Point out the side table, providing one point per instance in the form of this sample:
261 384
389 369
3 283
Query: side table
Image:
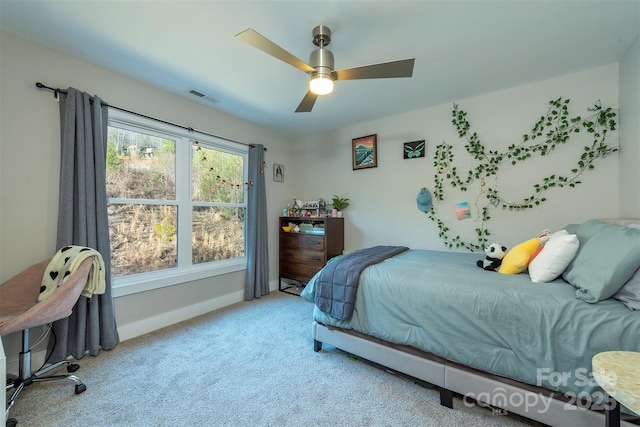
618 373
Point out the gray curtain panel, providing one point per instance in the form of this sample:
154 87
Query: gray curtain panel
82 220
257 282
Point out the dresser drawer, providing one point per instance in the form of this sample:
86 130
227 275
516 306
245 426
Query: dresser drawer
302 241
293 256
300 272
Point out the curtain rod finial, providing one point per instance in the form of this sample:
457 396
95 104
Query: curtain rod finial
55 91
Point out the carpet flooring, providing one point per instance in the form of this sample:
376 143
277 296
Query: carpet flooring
249 364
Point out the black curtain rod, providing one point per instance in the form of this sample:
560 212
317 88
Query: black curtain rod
56 91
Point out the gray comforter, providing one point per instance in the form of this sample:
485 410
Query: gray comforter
337 283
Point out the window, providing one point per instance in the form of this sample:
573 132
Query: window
176 204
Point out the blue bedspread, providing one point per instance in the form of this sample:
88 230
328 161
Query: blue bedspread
442 303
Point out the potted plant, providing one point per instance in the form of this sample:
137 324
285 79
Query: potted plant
339 203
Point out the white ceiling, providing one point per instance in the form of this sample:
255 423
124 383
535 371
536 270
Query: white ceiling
462 48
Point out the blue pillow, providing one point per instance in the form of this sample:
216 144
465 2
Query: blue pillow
572 228
607 257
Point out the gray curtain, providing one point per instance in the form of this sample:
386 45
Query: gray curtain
82 220
257 282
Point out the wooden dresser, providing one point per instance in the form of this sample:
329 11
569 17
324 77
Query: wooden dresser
304 253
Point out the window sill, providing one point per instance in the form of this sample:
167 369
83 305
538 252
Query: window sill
123 286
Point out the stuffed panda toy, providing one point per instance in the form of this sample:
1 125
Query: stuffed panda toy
495 252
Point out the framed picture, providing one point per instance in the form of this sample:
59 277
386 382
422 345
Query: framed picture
415 149
278 172
364 151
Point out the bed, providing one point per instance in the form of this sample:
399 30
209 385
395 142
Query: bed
494 338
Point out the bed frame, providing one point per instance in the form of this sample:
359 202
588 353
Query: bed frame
536 403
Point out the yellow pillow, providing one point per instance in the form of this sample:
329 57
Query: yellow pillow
517 258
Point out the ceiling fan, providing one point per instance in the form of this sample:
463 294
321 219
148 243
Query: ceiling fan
320 67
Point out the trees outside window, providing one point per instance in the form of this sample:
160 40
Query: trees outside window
176 203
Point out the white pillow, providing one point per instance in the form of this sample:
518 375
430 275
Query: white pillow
629 294
554 257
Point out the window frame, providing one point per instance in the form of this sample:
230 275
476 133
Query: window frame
185 271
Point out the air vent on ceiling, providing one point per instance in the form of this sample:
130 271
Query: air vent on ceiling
203 96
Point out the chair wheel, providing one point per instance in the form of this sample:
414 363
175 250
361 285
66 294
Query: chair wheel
72 367
11 422
80 388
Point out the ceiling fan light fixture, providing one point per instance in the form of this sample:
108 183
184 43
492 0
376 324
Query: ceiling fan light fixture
320 69
321 84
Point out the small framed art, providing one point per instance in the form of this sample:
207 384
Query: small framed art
415 149
278 172
364 151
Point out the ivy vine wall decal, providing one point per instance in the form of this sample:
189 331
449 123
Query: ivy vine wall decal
554 128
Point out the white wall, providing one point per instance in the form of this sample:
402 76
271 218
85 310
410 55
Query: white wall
29 169
630 132
383 208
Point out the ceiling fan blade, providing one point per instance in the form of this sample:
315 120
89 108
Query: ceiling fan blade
259 41
402 68
307 102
